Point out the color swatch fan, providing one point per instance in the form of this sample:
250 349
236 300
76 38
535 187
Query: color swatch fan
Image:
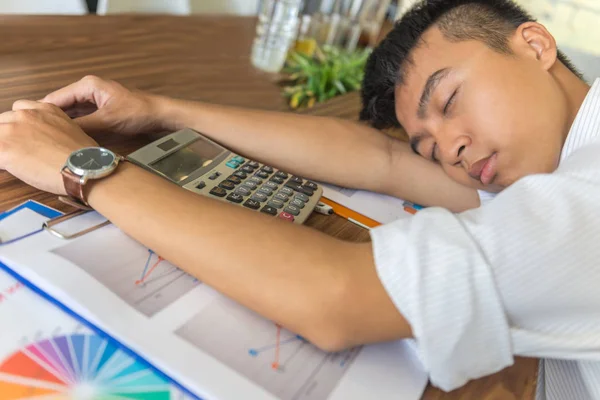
78 367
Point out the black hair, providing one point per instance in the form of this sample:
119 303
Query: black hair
489 21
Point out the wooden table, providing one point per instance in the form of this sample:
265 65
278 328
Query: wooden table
197 58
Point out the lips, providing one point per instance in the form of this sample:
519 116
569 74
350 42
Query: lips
484 170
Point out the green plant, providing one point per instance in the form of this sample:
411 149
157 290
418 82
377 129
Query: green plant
329 73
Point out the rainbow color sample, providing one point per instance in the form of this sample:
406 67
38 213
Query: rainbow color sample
78 367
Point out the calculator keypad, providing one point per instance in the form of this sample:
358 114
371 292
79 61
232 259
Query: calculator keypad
260 187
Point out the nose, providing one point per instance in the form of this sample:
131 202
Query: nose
452 146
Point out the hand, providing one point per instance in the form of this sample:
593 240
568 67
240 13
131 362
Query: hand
35 141
98 105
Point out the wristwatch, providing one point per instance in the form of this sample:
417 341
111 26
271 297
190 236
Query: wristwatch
83 165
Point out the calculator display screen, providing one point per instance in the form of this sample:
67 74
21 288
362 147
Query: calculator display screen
179 165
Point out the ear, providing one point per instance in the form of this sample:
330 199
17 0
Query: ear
534 40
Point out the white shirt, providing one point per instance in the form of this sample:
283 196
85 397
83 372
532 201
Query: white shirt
517 276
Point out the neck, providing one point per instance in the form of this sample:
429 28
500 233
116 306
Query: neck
574 91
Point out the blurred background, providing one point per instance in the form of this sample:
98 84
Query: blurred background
318 47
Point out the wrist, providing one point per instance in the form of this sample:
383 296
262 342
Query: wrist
175 114
118 176
168 112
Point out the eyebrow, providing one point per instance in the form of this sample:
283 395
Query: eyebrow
432 82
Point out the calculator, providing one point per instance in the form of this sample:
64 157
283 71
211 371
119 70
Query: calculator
196 163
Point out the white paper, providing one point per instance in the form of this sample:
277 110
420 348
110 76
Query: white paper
205 341
378 207
46 353
19 224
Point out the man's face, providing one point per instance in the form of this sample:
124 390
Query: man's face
490 118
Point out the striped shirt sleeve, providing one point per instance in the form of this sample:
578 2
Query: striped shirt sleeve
517 276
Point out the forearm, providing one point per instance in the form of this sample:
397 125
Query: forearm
325 149
311 283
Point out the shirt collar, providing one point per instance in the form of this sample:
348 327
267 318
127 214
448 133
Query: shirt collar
587 123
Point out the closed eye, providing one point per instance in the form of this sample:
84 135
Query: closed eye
450 101
433 151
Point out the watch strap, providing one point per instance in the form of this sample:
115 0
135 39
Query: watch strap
74 187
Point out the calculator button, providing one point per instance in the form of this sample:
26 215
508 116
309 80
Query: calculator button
253 164
262 174
214 176
293 185
271 185
240 174
299 188
234 179
277 179
248 169
286 216
253 204
292 210
296 179
219 192
227 185
267 169
302 197
310 185
269 210
297 203
281 174
232 164
201 185
256 180
236 198
239 159
306 191
286 190
282 197
243 191
266 191
259 197
275 203
250 185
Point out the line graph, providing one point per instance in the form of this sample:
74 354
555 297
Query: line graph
280 361
139 276
146 273
254 352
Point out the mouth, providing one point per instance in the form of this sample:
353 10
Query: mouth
485 170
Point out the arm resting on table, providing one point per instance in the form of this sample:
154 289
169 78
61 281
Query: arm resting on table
320 287
326 149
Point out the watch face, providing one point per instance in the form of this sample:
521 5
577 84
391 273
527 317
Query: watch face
91 159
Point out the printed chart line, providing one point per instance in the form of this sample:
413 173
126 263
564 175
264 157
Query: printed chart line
277 346
147 272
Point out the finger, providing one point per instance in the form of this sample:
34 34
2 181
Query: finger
82 91
33 105
7 117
